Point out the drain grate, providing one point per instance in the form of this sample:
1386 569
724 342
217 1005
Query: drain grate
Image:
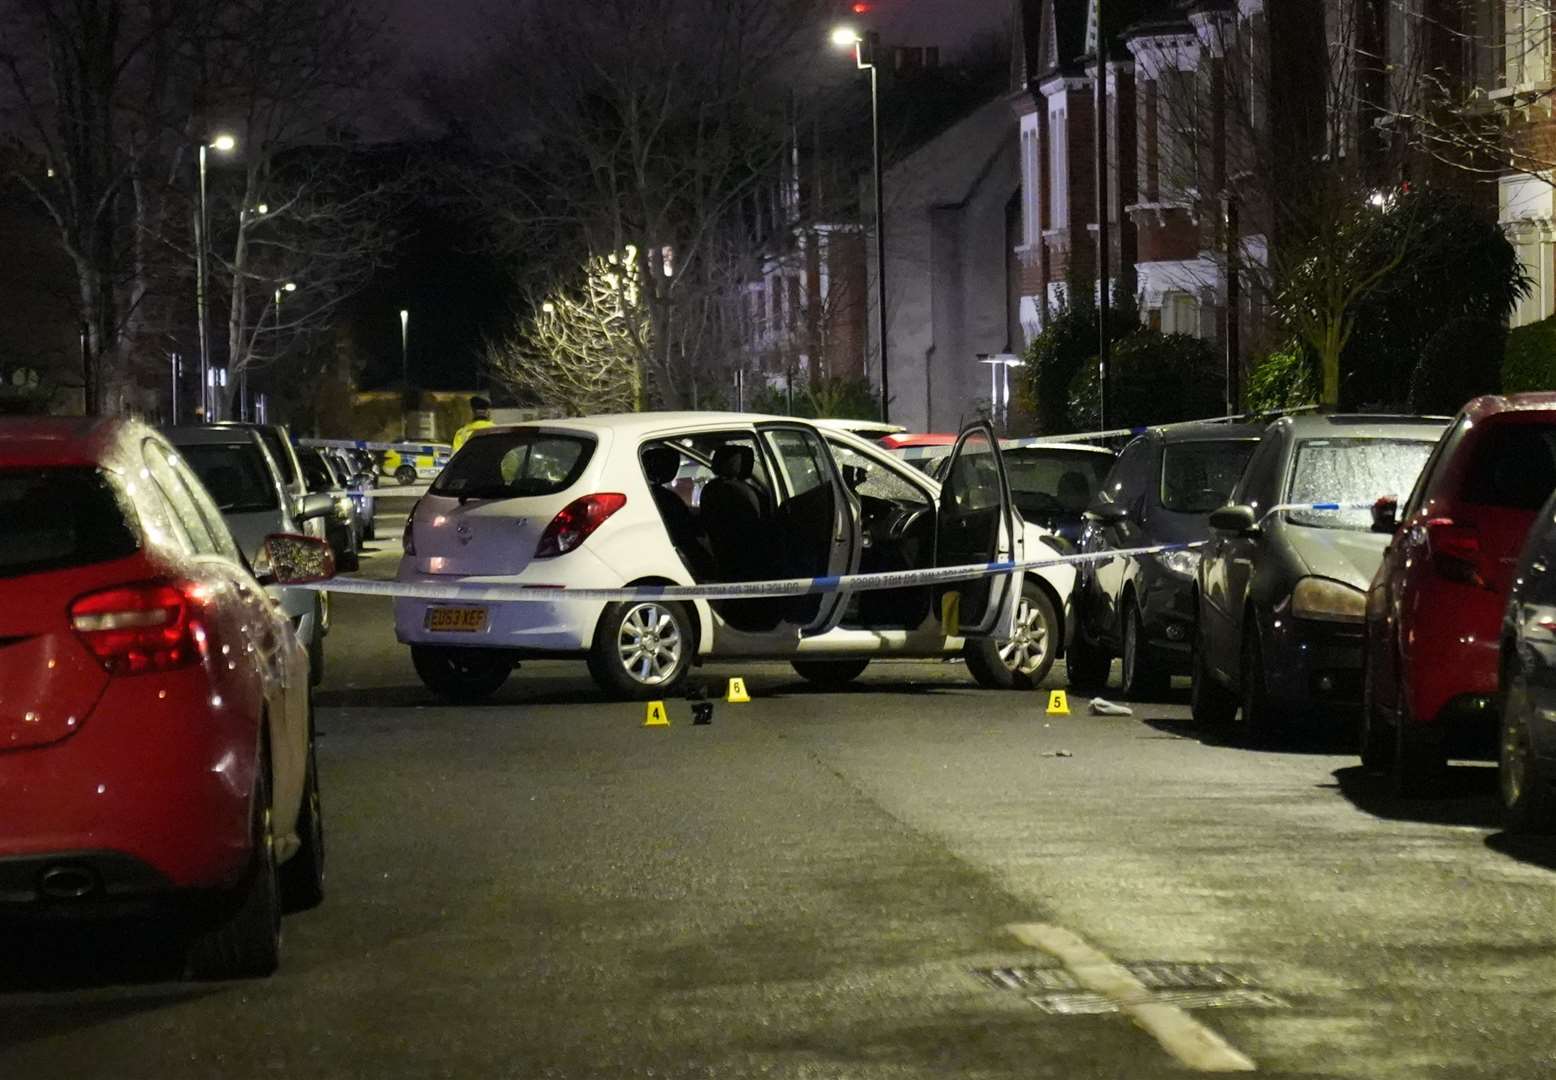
1188 986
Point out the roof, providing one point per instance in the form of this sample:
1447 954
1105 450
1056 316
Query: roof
211 435
1492 404
948 169
57 440
1362 425
1206 431
643 423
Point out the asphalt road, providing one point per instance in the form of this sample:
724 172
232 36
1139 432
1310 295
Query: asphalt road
810 887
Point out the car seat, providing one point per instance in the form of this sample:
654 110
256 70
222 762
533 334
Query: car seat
1074 492
660 465
732 515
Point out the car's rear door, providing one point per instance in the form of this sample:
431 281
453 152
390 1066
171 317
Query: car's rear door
818 518
976 524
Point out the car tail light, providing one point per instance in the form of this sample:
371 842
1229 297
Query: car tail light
408 538
1455 551
576 521
142 628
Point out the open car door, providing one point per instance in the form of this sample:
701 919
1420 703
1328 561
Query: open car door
977 524
817 519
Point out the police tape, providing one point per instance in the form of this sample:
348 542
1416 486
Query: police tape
498 593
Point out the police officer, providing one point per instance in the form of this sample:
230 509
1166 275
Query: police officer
483 419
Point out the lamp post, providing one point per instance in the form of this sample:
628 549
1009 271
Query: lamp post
844 37
224 144
405 367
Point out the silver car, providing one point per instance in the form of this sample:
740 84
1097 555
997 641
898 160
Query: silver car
237 468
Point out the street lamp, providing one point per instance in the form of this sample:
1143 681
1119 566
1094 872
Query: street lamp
845 37
405 365
223 144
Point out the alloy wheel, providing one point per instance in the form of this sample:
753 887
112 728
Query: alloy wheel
649 644
1028 646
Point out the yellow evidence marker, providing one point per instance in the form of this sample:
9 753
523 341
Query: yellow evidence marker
656 715
951 614
1058 703
736 695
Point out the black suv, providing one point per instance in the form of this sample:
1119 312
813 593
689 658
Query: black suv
1160 491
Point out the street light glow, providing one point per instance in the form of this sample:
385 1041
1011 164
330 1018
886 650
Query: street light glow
846 37
225 143
290 286
548 307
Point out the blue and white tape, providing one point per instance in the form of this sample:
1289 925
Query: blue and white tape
1332 507
500 593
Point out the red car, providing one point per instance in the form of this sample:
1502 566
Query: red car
1434 611
156 738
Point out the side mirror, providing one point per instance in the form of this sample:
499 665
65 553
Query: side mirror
1235 519
1108 513
1385 515
285 559
313 506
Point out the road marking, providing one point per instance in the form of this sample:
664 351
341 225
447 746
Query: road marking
1185 1038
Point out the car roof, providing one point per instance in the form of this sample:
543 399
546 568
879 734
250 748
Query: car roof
1010 446
211 435
644 423
1207 431
1362 426
58 440
872 427
1492 404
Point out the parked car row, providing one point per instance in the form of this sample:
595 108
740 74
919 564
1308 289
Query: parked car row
140 584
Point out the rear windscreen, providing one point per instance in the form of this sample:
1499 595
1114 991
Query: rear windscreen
1198 477
515 465
1514 467
51 519
236 476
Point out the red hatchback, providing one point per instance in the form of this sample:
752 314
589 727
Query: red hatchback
156 735
1435 608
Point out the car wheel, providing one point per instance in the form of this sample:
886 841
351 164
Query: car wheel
245 941
369 530
830 673
1262 718
1144 677
1377 737
406 475
461 675
642 649
1024 661
1419 763
1086 664
1211 704
302 876
1528 795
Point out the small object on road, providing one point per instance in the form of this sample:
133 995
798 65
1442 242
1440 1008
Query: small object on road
702 712
656 715
736 694
1058 703
1058 753
696 691
1103 707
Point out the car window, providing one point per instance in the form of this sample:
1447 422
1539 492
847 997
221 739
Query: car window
1198 477
801 459
1514 466
178 498
1357 471
515 465
1122 483
209 513
973 482
1433 473
55 518
235 474
1261 477
284 458
316 474
1047 480
881 481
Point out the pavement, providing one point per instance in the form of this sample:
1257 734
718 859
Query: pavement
911 878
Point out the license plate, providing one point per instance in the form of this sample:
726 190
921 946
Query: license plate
458 620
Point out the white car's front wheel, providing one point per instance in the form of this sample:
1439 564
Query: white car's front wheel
1023 662
642 649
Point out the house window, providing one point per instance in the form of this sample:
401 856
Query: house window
1528 37
1180 314
1058 167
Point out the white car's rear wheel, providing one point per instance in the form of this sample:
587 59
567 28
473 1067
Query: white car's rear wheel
642 649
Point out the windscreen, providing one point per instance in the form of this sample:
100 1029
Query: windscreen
236 476
1198 477
515 465
1514 466
1047 481
1352 471
52 519
316 474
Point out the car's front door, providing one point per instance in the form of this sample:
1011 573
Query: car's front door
817 520
976 524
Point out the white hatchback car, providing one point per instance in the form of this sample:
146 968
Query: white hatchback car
697 498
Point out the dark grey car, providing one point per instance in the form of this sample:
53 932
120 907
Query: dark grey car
1280 599
1160 491
1527 758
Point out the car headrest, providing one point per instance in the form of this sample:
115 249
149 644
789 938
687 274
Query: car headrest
661 463
734 462
1074 491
